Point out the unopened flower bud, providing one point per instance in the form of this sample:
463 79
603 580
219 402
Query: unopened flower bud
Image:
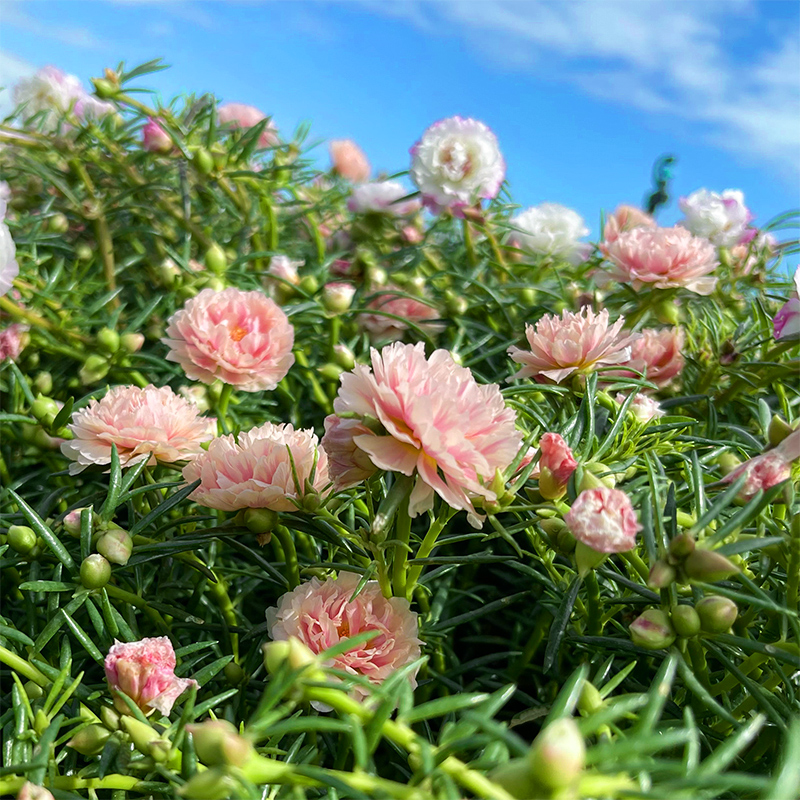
260 520
728 462
116 545
131 342
591 477
21 538
108 340
652 629
661 575
558 754
778 430
680 547
43 383
515 777
95 571
590 700
337 297
94 369
30 791
110 718
667 312
90 741
717 614
58 223
216 260
212 784
686 621
331 372
33 690
218 743
203 161
72 521
155 139
309 284
587 558
708 566
377 276
104 88
234 674
44 407
83 252
552 527
142 735
292 650
566 542
343 356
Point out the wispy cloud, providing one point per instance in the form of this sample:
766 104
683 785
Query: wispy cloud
658 56
15 16
12 70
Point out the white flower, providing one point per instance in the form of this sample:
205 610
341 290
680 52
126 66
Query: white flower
457 162
381 197
644 408
285 268
9 269
720 218
551 229
49 90
5 196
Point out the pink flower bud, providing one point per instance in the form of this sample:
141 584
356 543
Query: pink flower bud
556 465
349 161
338 297
13 341
145 671
154 138
72 522
604 520
30 791
652 629
763 472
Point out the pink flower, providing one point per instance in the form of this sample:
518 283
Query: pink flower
381 197
145 671
642 407
239 115
285 268
437 423
412 234
259 470
348 464
321 615
657 354
572 343
381 327
456 163
154 138
787 320
555 467
30 791
625 219
240 338
9 269
13 341
150 423
604 520
763 472
664 258
349 161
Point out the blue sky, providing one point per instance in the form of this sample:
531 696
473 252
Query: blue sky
582 95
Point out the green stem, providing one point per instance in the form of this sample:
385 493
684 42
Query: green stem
316 389
289 554
402 534
425 549
222 408
470 244
793 568
635 561
593 603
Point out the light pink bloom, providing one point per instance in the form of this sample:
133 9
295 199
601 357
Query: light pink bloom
321 614
604 520
763 472
657 353
557 458
644 408
145 671
664 258
720 218
9 269
285 268
576 342
380 197
348 464
409 309
625 219
239 115
30 791
150 423
13 340
257 471
411 234
154 138
456 163
240 338
438 424
349 161
787 320
338 297
49 90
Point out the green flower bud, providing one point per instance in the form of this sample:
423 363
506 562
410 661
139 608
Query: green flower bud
234 674
104 88
717 614
661 575
528 296
515 777
108 340
343 356
727 463
558 754
203 161
295 652
95 571
377 276
652 630
680 547
778 430
708 566
668 312
131 342
260 520
94 369
212 784
90 741
83 252
552 527
142 735
22 538
591 477
590 700
58 223
218 743
33 690
216 260
44 407
686 621
331 372
566 542
110 718
309 284
43 383
116 546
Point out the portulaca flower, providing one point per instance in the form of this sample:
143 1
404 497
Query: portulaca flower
9 269
380 197
553 230
49 90
456 163
787 321
720 218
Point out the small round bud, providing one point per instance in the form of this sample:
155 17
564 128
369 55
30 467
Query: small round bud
661 575
72 521
309 284
83 252
337 297
708 566
234 674
680 547
203 161
21 538
58 223
218 743
94 369
717 614
43 383
44 407
95 571
116 545
275 653
343 356
90 741
108 340
104 88
590 700
260 520
778 430
652 630
667 312
216 260
558 754
686 621
110 718
131 342
331 372
212 784
727 463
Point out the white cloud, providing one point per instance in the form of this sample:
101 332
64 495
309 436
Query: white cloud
12 70
658 56
15 17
